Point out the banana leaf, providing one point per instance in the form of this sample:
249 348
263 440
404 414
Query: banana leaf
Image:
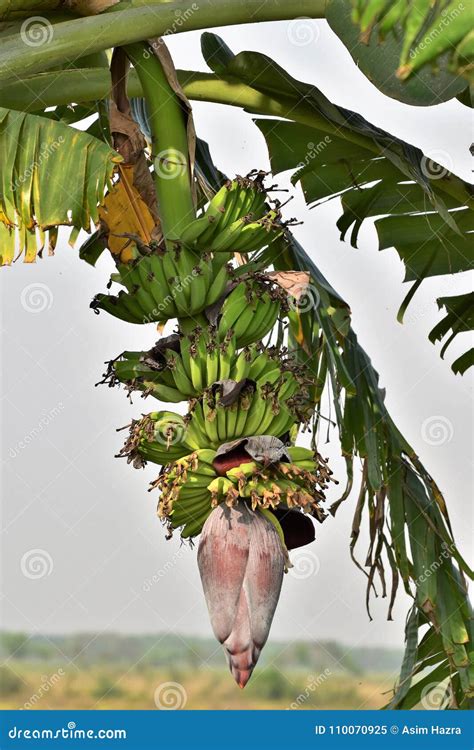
408 523
459 318
50 175
420 53
425 211
421 208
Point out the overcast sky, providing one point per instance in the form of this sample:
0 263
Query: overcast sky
90 515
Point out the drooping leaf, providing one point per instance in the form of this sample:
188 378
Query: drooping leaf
408 524
427 210
50 175
417 52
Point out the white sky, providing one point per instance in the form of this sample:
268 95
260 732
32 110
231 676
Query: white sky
64 492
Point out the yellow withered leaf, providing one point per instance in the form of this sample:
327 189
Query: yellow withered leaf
126 215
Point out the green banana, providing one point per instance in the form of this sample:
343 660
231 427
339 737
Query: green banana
194 230
217 287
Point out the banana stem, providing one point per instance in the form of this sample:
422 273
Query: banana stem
169 143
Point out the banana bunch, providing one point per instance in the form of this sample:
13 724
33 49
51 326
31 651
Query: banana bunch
185 500
268 407
183 367
235 220
293 485
163 286
190 488
160 437
250 311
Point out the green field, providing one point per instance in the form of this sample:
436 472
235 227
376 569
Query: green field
108 671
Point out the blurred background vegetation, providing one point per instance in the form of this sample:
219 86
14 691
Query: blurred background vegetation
111 671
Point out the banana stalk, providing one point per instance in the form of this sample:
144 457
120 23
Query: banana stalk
169 142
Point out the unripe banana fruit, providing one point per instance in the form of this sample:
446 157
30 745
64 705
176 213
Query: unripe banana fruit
182 367
190 489
185 500
160 437
164 286
236 220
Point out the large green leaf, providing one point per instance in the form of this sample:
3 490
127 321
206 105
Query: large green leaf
430 229
413 51
427 210
50 175
405 513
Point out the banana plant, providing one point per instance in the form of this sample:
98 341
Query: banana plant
213 253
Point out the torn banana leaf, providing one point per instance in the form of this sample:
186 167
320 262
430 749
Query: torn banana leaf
57 176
